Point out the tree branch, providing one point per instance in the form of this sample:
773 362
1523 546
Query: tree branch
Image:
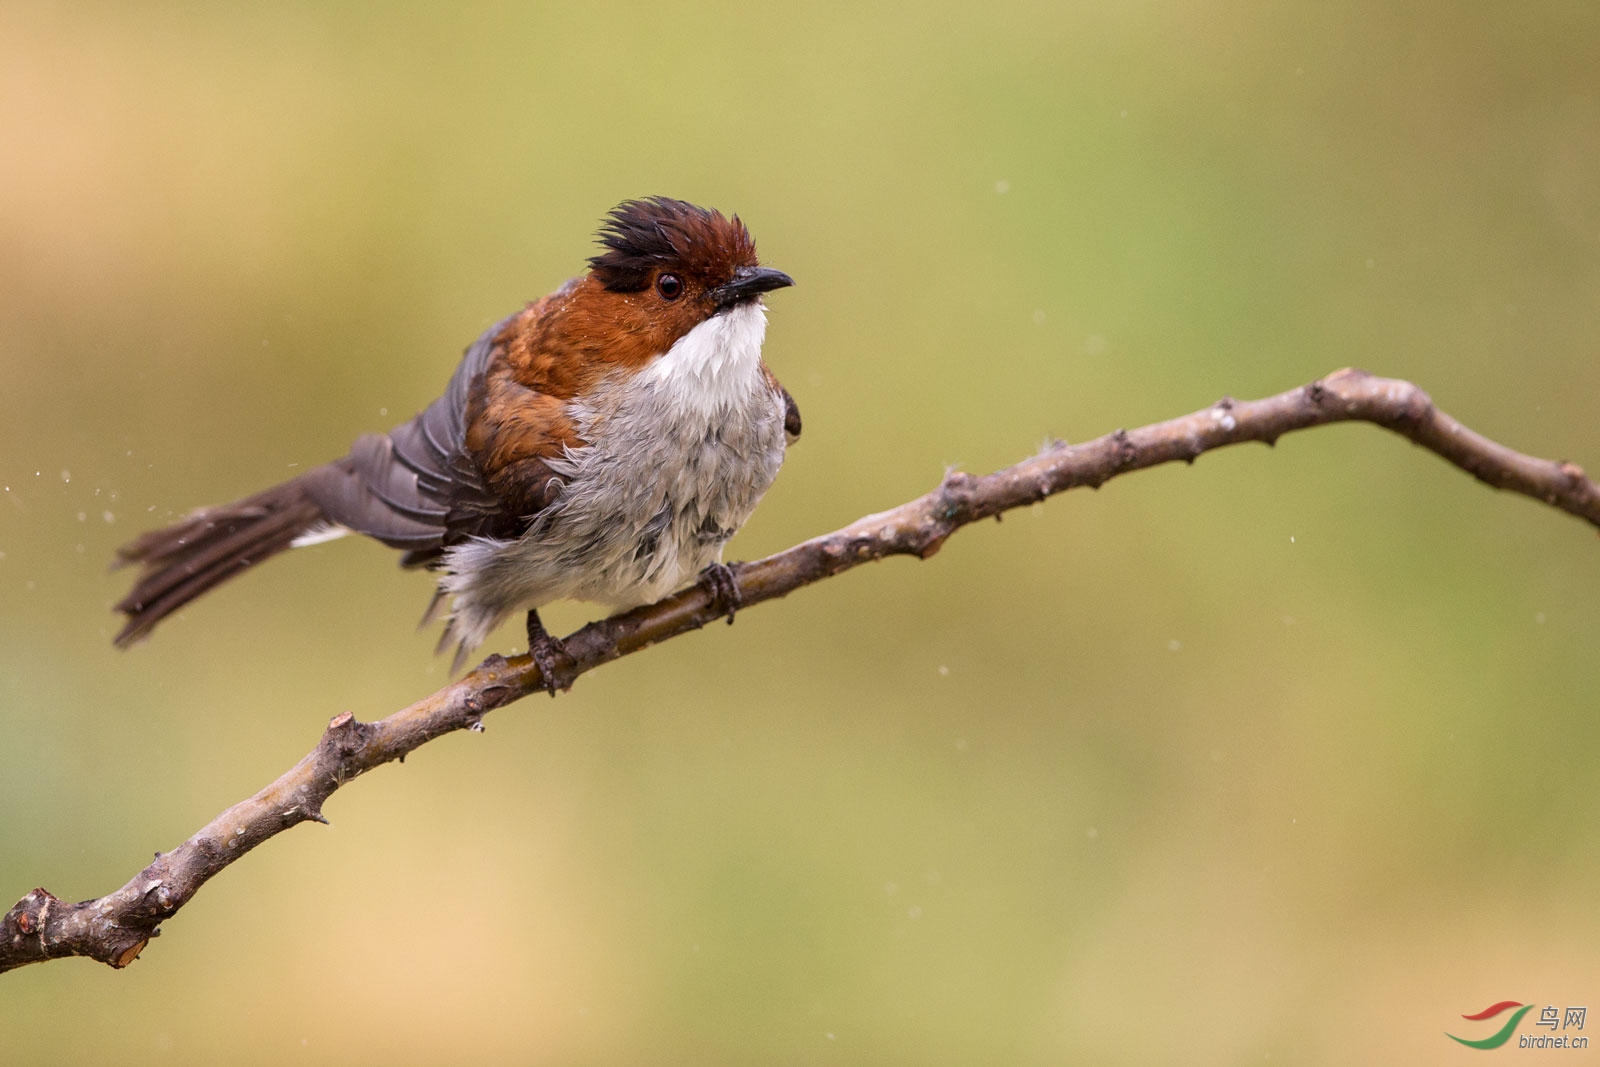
114 928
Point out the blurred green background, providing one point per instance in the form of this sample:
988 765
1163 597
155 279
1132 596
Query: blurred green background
1286 757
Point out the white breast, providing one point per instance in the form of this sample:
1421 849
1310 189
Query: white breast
716 364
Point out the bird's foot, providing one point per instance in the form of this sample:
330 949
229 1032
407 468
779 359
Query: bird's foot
545 651
722 584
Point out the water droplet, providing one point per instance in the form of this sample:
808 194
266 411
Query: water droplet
1002 187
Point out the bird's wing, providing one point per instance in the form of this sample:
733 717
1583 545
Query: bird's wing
417 487
791 410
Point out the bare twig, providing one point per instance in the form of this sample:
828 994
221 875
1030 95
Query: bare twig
114 928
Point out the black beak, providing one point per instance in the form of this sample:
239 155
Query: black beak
749 283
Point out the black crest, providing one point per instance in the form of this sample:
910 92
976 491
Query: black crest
643 236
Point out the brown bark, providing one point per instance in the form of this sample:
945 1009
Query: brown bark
114 928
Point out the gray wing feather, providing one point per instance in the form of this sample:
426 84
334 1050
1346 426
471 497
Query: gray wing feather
392 482
415 488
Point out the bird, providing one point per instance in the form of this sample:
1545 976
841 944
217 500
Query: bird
600 445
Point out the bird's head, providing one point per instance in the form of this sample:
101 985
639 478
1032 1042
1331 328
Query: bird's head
665 269
691 259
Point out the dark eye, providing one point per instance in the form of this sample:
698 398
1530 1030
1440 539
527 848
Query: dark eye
670 286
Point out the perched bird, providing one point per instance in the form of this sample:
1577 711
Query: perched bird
600 445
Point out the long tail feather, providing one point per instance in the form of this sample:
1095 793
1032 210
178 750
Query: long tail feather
191 557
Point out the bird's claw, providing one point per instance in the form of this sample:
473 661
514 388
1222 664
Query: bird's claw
545 650
722 584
